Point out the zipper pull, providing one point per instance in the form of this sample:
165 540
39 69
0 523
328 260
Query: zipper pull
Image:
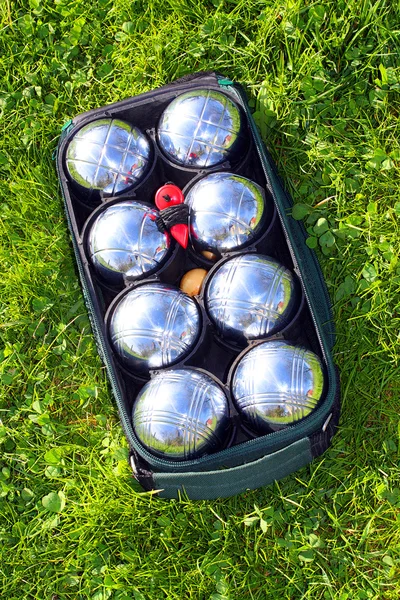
64 131
225 82
66 125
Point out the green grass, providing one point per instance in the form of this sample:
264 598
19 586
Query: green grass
324 80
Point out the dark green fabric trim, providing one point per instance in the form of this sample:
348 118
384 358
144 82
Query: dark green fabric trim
229 482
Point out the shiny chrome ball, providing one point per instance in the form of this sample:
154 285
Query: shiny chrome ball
200 129
124 240
107 155
226 212
181 414
154 326
250 297
276 384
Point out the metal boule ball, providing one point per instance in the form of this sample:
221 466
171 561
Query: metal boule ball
154 326
181 414
276 384
201 128
226 212
124 240
250 297
107 155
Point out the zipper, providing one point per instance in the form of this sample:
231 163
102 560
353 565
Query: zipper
254 130
256 135
96 327
288 241
100 342
239 450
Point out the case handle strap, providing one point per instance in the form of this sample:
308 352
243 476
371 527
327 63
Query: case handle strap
206 485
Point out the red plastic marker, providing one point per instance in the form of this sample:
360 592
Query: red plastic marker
170 195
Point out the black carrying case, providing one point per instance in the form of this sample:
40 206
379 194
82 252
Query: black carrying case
248 462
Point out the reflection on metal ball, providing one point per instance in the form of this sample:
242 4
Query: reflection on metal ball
250 297
154 326
124 240
200 129
226 212
181 414
109 156
276 384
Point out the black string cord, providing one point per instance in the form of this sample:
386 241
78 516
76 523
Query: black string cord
173 215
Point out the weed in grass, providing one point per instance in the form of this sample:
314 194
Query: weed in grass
323 79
